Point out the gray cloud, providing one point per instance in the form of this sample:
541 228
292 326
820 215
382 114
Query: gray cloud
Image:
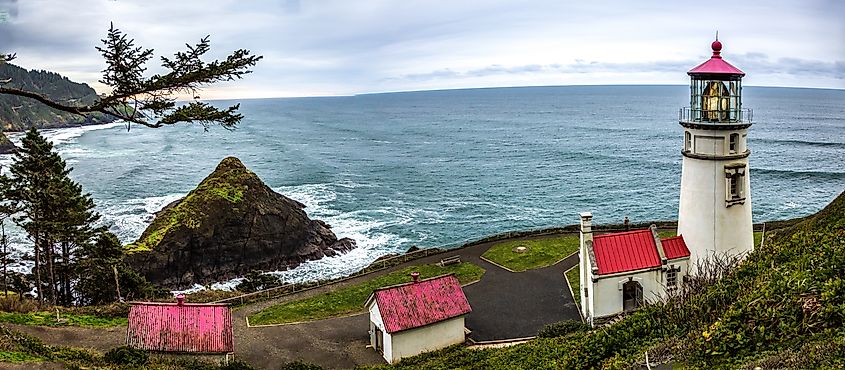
343 47
752 63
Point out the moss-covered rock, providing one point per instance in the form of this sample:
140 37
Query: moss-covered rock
232 223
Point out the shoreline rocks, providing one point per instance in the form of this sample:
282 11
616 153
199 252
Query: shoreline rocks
6 146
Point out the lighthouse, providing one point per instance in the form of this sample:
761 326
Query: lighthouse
714 215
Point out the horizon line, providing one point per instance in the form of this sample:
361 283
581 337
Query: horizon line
496 87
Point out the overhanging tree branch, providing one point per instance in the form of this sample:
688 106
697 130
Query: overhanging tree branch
152 101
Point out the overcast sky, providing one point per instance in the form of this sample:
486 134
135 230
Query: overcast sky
342 47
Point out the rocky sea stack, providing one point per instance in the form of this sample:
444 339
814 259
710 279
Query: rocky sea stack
6 146
232 223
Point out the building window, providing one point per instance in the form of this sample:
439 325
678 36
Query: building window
687 141
672 279
734 184
734 144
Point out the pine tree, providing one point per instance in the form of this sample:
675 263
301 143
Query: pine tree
152 100
4 253
103 275
72 226
48 205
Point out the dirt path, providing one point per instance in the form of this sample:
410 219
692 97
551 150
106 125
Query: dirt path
99 339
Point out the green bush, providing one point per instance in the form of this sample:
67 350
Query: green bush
237 365
126 356
299 365
257 280
562 328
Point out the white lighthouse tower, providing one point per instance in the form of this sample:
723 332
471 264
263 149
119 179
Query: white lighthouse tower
715 208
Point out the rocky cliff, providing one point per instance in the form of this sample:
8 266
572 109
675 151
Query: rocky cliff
6 146
230 224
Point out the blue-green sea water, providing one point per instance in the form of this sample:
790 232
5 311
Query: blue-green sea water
438 168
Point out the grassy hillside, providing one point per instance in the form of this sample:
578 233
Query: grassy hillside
782 308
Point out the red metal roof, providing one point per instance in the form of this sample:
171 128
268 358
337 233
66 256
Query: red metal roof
627 251
421 303
171 327
716 65
675 247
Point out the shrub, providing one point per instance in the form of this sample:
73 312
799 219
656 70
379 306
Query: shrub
299 365
256 280
237 365
127 356
562 328
15 303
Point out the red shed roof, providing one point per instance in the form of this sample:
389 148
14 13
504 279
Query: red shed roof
420 303
627 251
675 247
173 327
716 65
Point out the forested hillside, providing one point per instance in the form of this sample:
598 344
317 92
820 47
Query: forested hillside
17 113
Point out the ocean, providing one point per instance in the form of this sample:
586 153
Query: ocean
439 168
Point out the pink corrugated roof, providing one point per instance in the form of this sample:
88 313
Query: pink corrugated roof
417 304
627 251
170 327
675 247
716 65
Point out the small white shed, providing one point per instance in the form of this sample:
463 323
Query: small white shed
620 272
416 317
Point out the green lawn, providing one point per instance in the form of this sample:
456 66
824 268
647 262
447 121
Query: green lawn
667 234
18 357
539 252
349 300
574 278
44 318
757 236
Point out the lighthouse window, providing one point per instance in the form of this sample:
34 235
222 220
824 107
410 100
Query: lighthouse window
687 141
714 102
734 187
734 143
734 180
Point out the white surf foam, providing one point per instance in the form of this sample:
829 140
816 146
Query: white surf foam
129 218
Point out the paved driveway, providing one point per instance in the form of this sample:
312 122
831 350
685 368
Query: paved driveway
507 305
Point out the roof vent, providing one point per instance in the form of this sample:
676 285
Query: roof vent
180 299
415 276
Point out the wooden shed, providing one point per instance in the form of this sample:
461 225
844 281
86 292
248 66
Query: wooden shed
182 328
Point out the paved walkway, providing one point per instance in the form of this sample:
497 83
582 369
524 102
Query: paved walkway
505 305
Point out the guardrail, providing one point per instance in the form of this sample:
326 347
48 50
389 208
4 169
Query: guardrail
715 117
290 288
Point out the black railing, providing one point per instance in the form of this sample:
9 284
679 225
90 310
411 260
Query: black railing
716 117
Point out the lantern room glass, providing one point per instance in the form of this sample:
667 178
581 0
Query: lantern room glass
715 100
